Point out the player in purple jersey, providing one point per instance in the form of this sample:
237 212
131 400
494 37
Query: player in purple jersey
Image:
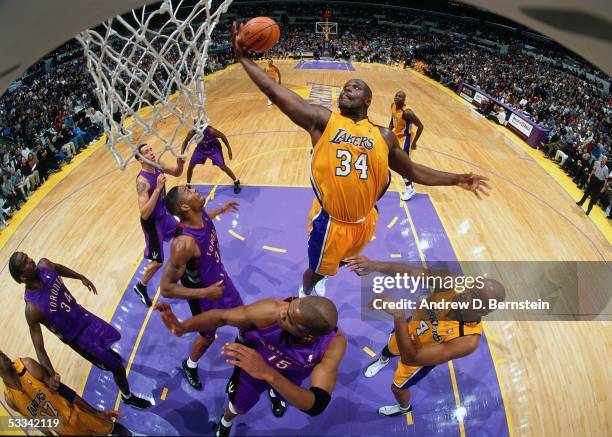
210 148
285 342
157 224
48 302
195 260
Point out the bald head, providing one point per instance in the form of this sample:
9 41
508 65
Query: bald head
318 315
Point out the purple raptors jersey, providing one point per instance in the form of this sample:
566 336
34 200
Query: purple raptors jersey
281 350
62 314
160 208
208 269
209 142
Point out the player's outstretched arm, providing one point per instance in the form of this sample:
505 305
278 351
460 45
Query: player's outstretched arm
182 250
401 163
177 170
65 272
258 314
309 117
231 206
362 266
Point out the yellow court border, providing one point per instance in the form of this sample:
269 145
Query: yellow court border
597 215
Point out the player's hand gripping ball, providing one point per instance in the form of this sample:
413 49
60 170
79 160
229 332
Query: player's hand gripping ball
259 34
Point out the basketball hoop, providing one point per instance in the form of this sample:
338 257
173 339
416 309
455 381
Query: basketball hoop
326 28
148 68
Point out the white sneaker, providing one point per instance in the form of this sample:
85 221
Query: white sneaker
394 410
408 194
319 288
375 367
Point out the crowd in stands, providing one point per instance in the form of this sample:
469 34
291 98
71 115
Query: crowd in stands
43 124
48 118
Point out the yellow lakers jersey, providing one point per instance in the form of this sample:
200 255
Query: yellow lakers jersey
400 129
36 400
271 71
428 326
349 168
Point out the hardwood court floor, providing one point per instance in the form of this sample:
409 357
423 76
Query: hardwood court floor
555 374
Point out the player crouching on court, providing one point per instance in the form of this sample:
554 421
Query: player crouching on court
285 342
27 391
428 337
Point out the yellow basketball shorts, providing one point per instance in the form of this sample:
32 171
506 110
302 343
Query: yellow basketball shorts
330 241
406 376
84 423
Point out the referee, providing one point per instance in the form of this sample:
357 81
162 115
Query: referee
597 183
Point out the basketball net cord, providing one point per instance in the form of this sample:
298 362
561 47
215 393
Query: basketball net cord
148 69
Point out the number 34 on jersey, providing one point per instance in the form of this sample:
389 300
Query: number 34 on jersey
347 164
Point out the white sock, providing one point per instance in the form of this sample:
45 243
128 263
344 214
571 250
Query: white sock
272 394
192 364
226 423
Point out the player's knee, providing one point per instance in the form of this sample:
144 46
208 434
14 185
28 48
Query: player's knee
397 390
232 409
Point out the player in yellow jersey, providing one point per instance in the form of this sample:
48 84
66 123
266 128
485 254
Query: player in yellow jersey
408 129
429 337
349 169
27 391
273 73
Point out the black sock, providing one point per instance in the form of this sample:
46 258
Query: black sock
141 286
386 353
237 182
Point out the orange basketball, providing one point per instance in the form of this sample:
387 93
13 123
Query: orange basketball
259 34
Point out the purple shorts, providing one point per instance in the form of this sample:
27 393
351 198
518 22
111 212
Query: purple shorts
156 231
94 344
214 154
230 299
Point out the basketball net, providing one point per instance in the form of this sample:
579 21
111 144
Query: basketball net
148 68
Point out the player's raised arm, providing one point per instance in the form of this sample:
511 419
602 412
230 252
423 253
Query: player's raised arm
401 163
177 170
258 314
182 250
309 117
65 272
